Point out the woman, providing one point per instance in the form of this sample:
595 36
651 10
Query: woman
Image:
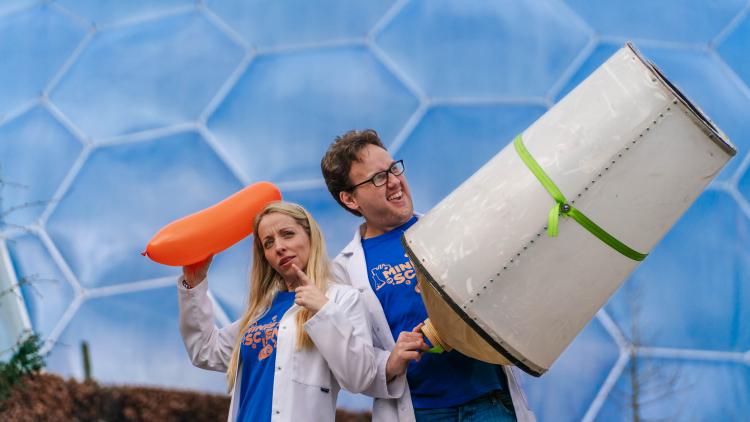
300 338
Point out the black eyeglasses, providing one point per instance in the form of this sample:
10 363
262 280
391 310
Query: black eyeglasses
381 178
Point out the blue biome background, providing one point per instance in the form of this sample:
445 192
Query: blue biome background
119 117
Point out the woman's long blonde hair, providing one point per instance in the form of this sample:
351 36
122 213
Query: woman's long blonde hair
265 282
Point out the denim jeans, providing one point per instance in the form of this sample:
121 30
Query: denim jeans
489 408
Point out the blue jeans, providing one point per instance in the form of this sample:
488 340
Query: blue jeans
484 409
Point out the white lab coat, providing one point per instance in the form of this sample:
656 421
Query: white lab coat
306 382
393 400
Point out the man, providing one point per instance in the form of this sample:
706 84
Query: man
366 181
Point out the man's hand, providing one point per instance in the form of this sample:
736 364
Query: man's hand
409 346
308 294
195 273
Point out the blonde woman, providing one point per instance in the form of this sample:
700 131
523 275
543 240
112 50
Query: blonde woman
301 336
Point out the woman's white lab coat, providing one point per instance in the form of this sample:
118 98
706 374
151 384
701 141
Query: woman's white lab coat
306 382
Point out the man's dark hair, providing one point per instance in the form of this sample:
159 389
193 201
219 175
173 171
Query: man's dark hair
338 160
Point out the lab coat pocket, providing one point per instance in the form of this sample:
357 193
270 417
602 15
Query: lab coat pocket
312 370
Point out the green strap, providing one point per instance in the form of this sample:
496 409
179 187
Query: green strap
562 207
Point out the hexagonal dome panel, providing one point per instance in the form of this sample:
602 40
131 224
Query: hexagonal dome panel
124 194
743 185
481 49
42 152
599 55
337 224
450 143
100 13
166 70
269 24
10 6
733 49
693 290
46 292
34 44
137 330
286 109
229 277
551 396
672 389
693 21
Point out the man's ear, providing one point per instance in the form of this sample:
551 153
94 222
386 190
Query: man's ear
349 200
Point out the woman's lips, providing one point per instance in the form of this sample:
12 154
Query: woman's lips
285 260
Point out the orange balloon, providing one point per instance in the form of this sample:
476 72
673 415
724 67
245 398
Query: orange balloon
194 238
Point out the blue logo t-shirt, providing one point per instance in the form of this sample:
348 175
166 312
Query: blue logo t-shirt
258 355
437 380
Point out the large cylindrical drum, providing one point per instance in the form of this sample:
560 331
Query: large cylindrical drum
627 150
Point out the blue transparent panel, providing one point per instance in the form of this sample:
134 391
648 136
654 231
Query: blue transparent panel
356 402
600 54
146 76
98 12
229 278
743 185
665 20
693 291
36 153
337 224
451 143
45 291
704 80
10 6
267 24
735 49
286 109
479 49
680 390
34 44
124 194
565 392
133 338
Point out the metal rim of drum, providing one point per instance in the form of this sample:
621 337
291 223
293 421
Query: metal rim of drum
537 372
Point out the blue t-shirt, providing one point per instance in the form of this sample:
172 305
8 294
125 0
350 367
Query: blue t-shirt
258 355
437 380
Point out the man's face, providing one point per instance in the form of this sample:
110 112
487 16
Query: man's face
383 207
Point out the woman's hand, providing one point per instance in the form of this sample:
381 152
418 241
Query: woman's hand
308 294
195 273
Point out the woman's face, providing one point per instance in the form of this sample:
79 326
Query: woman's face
284 243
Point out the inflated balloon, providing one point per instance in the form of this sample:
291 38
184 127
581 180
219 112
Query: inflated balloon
196 237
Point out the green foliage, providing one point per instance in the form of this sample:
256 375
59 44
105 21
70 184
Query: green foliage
26 360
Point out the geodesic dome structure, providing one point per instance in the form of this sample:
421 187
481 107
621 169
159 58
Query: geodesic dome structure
118 117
